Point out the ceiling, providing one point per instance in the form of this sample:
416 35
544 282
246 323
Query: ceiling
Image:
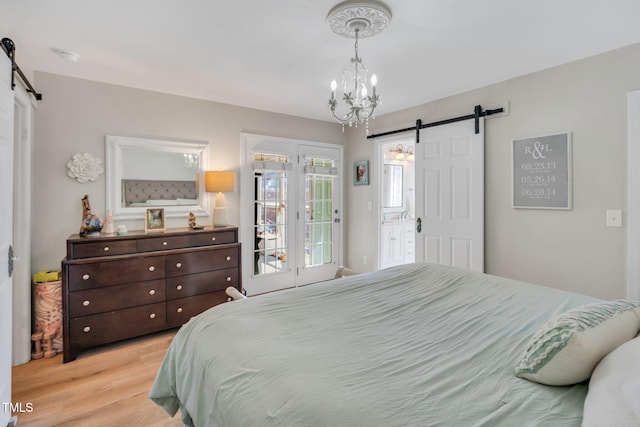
281 55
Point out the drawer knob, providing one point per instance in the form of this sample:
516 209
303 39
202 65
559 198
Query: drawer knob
228 278
178 265
228 258
213 239
85 277
179 287
164 243
86 329
152 268
179 310
152 292
106 248
86 303
152 316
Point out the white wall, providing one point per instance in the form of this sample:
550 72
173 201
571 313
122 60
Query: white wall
74 117
571 250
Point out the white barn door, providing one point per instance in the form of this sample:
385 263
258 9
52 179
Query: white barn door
6 227
450 195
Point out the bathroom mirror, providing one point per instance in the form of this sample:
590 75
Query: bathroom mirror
392 190
142 173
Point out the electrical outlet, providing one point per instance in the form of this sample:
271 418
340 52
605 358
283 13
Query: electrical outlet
365 260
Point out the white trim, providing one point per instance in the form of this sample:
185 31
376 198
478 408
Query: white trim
633 195
23 157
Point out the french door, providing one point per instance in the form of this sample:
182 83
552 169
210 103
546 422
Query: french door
290 212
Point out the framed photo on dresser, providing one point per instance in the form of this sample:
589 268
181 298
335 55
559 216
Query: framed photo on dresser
154 220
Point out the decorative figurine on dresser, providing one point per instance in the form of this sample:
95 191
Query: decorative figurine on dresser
116 287
91 224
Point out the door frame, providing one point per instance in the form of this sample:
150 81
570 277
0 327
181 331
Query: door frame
378 160
633 195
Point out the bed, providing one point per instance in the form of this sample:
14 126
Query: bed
148 192
414 345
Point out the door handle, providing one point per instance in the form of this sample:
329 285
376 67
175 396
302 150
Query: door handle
419 225
12 258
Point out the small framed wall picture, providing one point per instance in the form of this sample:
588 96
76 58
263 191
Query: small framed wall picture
154 220
361 173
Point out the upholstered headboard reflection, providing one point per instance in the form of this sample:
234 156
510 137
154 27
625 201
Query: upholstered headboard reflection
137 192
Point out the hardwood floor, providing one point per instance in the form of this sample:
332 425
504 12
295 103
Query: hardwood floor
107 386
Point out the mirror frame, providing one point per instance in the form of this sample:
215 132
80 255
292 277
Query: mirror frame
115 145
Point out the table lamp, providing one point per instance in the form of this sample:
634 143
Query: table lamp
219 182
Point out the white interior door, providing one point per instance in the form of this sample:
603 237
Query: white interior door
6 212
450 195
22 165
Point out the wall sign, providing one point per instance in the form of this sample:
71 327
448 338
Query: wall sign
542 172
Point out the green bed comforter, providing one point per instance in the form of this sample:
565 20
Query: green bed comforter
415 345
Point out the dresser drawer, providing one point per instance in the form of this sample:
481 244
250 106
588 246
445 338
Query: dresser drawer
202 260
99 300
87 275
201 283
117 325
213 238
179 311
162 243
104 248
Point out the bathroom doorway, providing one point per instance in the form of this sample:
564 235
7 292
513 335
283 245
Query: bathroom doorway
396 188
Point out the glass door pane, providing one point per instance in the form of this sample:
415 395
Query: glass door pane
271 240
318 219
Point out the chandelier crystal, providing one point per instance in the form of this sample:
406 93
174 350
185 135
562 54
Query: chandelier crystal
359 95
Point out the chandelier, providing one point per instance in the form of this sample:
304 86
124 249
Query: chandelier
356 20
191 160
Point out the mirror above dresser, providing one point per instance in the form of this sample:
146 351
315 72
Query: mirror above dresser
143 173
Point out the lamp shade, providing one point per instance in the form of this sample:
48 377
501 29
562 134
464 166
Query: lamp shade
219 181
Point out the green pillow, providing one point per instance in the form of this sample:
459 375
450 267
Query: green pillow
567 349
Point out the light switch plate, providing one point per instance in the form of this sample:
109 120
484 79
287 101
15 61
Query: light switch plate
614 218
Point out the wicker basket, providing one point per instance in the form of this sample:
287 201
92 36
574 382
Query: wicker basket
47 310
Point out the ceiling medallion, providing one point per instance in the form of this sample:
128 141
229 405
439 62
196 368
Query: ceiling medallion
369 18
357 20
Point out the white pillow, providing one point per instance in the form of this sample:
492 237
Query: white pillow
614 389
567 349
184 202
161 202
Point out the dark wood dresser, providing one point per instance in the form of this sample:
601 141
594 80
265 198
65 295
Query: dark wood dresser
119 287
